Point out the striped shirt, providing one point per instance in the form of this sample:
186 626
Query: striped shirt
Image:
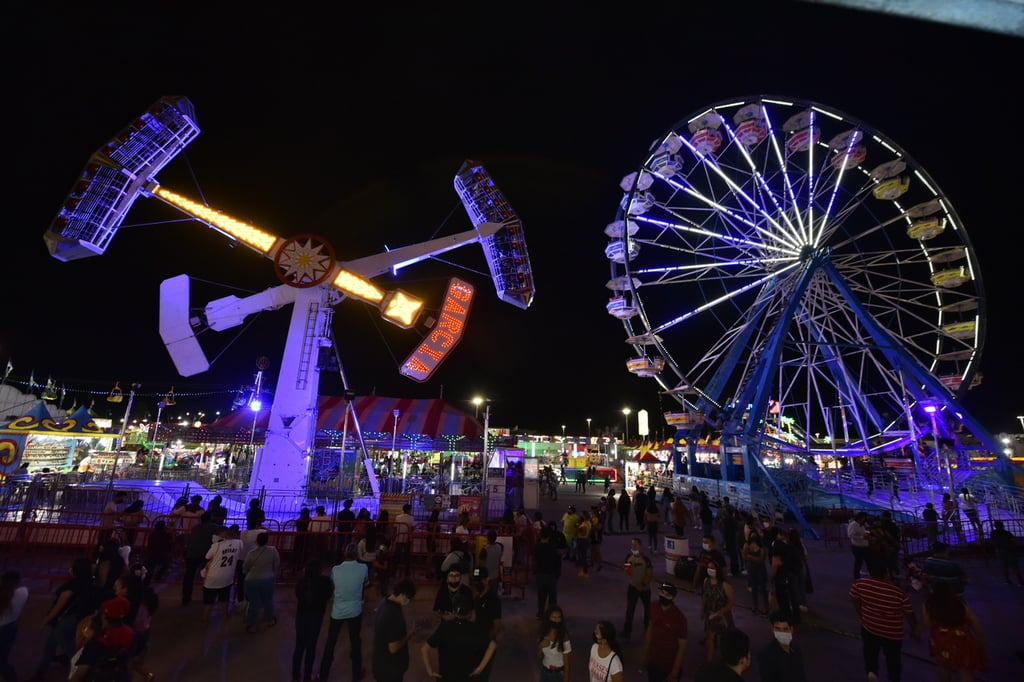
883 606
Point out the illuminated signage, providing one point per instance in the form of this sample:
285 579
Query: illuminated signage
445 335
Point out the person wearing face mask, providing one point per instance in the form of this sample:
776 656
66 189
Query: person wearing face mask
665 645
554 648
708 553
640 571
391 635
605 655
716 604
781 660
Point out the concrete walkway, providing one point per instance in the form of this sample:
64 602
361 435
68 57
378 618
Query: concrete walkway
185 649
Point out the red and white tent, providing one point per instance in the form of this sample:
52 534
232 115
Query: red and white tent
428 417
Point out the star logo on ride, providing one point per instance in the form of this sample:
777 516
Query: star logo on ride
305 260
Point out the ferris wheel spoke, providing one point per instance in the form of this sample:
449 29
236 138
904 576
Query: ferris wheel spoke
738 292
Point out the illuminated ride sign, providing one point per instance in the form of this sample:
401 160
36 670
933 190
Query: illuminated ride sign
445 335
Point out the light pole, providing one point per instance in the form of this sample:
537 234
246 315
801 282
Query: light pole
588 430
394 445
156 435
1021 418
120 438
563 438
477 402
625 433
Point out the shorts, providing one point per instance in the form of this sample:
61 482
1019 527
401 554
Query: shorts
217 594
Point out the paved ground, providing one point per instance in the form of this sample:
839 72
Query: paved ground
185 649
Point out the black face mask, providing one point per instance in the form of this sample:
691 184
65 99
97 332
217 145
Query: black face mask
455 585
664 601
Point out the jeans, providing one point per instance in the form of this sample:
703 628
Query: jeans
551 675
260 594
355 641
860 557
583 554
632 595
893 648
307 632
547 592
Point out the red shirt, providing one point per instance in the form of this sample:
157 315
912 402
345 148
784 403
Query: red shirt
666 628
883 606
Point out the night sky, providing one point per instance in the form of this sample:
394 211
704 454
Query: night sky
353 127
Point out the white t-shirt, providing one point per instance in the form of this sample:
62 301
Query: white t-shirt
248 538
551 657
320 524
967 502
220 570
13 611
602 669
404 524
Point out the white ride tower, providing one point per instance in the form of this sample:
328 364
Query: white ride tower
313 280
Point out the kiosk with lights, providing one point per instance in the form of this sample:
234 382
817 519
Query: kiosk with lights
313 280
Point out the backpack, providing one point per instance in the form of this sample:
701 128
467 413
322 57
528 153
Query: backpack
463 564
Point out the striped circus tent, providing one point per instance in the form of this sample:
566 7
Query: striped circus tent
417 417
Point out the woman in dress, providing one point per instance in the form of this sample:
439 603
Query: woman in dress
605 655
716 602
554 648
955 638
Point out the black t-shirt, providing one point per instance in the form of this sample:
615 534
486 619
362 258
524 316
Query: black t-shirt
443 598
389 627
461 645
345 519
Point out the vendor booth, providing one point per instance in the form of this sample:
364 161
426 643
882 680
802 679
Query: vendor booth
36 441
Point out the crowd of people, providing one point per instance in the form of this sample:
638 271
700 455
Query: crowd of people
100 617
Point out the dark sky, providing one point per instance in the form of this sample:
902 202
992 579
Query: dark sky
353 127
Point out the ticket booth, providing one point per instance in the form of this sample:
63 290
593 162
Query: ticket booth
505 480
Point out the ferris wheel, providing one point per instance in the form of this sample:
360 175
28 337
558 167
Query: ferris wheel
794 280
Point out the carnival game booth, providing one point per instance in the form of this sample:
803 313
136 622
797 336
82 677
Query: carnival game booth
44 442
647 466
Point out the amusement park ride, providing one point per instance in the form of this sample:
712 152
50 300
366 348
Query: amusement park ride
124 169
783 270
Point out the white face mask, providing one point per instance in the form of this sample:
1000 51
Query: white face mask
783 638
706 546
712 573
